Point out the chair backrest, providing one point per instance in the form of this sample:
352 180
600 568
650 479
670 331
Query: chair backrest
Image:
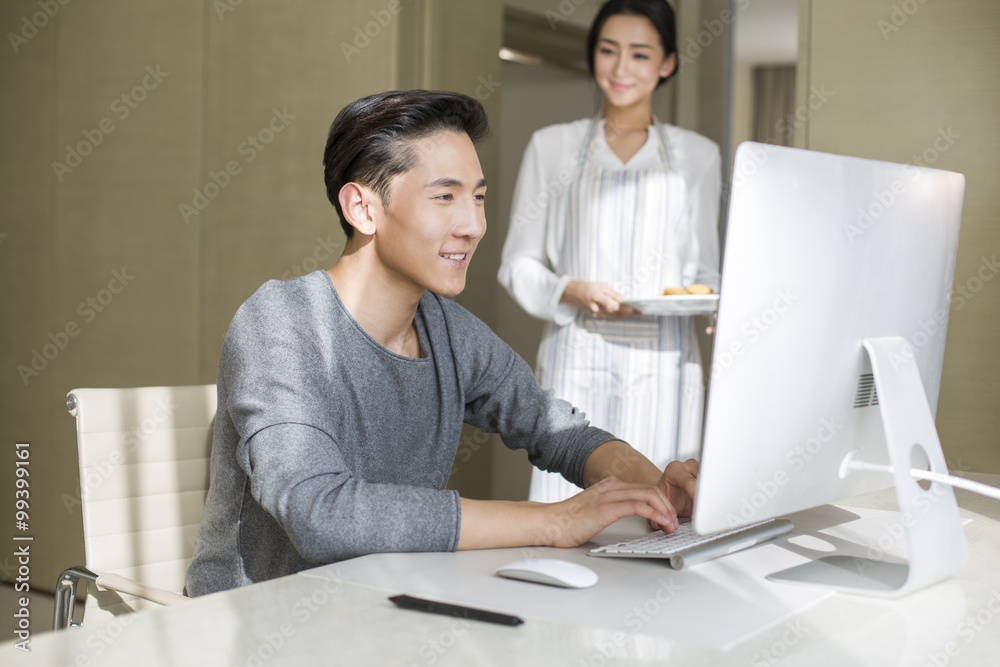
144 456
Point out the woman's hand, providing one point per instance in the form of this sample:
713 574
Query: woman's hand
597 299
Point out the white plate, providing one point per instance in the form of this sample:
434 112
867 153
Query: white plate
677 304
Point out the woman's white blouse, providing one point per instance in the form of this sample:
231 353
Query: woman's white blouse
529 267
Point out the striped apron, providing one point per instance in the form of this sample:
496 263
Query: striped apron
641 378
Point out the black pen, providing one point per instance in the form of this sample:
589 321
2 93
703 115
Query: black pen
408 602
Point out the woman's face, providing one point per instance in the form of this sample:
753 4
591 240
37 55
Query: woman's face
629 60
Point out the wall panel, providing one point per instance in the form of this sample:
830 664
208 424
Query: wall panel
278 65
27 214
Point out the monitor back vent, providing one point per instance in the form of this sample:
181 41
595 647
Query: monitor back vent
867 394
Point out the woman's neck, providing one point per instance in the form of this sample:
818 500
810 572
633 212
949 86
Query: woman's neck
626 119
626 129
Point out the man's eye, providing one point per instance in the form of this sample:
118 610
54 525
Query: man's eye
480 197
445 197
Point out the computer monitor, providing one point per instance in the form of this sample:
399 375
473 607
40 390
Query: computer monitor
833 311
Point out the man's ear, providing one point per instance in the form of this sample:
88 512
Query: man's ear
360 206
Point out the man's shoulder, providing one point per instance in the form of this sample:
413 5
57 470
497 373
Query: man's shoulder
468 336
291 293
278 301
459 320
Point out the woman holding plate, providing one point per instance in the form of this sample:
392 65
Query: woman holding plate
608 210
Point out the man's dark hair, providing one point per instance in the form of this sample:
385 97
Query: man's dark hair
659 13
371 140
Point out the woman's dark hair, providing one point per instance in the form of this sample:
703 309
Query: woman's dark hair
659 13
371 140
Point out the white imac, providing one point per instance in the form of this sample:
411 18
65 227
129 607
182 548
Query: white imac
836 284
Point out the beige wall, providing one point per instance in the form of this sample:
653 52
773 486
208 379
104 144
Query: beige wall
221 79
908 79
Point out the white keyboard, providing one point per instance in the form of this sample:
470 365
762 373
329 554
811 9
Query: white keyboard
684 547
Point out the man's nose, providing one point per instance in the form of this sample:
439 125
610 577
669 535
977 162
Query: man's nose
472 224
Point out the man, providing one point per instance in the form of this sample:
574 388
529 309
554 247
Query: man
342 393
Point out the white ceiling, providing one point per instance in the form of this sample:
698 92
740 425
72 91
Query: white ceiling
766 31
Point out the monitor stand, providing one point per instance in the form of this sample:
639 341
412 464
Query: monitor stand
937 546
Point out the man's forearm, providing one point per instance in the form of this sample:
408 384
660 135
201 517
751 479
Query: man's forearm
497 524
617 459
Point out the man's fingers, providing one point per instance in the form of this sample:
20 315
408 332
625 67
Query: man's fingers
680 483
652 501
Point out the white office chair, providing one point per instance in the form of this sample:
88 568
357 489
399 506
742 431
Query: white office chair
144 455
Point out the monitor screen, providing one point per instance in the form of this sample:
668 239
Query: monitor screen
822 252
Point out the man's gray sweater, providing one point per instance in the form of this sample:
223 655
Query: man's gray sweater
329 446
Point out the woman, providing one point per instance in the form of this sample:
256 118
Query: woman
609 209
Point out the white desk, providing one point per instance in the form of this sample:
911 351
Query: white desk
310 619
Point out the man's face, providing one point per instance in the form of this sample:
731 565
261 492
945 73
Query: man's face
435 216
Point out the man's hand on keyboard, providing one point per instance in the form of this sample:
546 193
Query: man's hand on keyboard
575 520
679 482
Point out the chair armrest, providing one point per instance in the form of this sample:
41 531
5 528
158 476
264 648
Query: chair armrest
65 599
116 582
66 590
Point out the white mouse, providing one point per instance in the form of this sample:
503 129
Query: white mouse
550 571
